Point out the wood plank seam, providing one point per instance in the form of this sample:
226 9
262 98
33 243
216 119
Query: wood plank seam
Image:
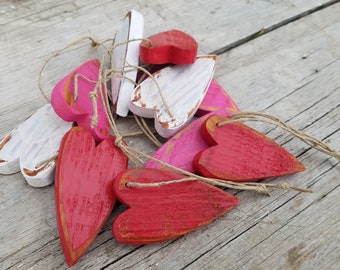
266 30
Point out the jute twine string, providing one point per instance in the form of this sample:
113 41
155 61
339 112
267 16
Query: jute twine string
267 118
147 131
257 187
94 119
103 92
94 43
134 134
76 89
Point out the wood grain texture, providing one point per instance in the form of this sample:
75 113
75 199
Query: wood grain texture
291 72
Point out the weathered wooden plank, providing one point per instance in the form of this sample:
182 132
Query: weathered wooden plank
275 73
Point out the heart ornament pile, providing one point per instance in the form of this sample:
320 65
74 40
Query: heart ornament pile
74 142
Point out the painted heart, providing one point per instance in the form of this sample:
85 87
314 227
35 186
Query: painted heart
172 46
240 153
32 146
83 189
217 99
124 54
181 91
74 104
181 149
162 213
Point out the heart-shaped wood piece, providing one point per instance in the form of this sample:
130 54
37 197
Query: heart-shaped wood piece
240 153
83 189
32 146
172 46
162 213
126 53
181 91
217 99
181 149
75 105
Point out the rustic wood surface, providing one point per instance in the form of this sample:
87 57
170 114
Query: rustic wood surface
279 57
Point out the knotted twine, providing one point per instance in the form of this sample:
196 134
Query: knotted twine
136 156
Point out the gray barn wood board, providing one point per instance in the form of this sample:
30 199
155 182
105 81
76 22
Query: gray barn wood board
279 57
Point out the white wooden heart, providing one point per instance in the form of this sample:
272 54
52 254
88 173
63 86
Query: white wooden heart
181 91
126 53
32 146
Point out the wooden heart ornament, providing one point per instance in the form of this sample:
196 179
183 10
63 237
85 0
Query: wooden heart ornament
126 53
181 148
162 213
32 146
180 92
75 105
240 153
172 46
83 189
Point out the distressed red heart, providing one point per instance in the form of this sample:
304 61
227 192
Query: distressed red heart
83 189
240 153
162 213
172 46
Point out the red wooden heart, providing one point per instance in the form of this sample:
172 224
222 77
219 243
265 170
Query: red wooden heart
83 189
172 46
240 153
161 213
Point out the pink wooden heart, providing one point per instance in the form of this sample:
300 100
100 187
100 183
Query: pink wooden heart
83 189
217 99
172 46
78 107
239 153
162 213
181 149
